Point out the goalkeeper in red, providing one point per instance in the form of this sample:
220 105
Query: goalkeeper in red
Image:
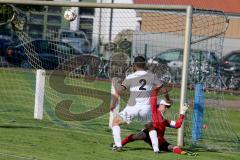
159 123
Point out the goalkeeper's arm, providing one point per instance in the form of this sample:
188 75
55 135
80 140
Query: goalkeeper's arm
175 124
178 123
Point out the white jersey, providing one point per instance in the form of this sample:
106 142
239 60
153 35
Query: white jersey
140 84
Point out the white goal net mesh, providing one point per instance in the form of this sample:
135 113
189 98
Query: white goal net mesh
81 64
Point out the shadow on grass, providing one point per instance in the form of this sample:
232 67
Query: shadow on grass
16 127
137 149
194 147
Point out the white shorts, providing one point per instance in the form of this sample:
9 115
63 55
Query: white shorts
142 112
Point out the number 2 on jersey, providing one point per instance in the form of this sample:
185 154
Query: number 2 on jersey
143 82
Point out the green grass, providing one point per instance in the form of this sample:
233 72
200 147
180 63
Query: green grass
208 94
22 137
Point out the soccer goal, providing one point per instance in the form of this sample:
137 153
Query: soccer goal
67 68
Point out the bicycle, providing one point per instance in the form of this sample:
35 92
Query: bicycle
206 74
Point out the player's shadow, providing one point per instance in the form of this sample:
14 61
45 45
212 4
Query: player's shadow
137 148
16 127
142 149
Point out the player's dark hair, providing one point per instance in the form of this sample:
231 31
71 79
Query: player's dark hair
167 106
140 62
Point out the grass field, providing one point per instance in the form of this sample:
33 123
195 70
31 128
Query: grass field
22 137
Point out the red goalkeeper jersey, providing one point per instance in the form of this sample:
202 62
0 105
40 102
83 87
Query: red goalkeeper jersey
159 122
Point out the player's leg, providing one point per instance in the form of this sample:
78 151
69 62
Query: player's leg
133 137
170 148
154 140
116 131
165 146
125 116
147 139
178 150
146 112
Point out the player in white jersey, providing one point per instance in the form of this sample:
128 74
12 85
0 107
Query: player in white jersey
140 83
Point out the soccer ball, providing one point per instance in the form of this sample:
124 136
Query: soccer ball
70 15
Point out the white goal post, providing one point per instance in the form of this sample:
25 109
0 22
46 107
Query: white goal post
39 94
186 53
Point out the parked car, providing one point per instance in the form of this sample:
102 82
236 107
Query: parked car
174 57
77 39
49 53
4 44
200 61
230 64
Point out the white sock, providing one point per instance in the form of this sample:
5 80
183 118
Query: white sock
154 140
117 136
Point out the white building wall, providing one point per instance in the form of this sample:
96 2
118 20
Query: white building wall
74 25
121 19
230 44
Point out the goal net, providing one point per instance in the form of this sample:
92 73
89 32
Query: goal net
82 57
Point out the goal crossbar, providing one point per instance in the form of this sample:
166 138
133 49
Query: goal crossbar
98 5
